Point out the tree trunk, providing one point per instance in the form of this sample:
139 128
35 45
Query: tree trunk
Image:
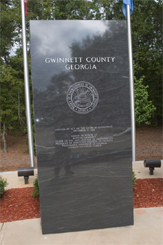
19 106
4 139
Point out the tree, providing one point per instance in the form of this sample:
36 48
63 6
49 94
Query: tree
144 108
7 29
10 99
7 73
146 23
146 34
147 46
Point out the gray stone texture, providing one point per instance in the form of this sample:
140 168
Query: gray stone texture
84 157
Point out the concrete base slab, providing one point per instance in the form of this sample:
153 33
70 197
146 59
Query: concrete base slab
17 182
147 230
143 173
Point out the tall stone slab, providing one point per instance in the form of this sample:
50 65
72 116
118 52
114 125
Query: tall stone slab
80 80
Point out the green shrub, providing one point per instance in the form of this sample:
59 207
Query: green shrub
144 108
36 188
133 178
3 184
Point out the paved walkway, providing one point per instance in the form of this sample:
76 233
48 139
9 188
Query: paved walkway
147 228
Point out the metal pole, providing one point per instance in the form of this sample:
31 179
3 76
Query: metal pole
27 92
131 84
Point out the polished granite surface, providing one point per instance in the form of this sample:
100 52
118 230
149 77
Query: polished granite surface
80 82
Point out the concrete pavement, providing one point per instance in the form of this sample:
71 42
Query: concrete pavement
143 173
147 228
17 182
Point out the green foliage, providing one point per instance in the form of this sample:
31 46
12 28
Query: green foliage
146 22
7 29
3 184
12 111
144 108
148 51
133 177
36 188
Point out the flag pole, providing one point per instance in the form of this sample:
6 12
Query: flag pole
26 84
131 84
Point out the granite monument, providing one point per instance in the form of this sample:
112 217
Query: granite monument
80 79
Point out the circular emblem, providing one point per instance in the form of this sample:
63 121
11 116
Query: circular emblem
82 97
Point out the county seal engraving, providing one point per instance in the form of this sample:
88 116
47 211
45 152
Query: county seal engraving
82 97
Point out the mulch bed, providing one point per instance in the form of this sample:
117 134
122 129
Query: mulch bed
148 193
18 204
